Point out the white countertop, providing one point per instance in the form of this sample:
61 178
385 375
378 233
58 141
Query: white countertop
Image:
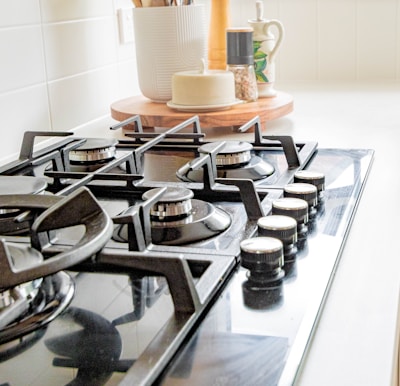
356 339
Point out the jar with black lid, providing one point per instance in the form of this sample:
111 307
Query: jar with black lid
240 60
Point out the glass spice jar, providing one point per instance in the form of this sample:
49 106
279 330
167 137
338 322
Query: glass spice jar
240 61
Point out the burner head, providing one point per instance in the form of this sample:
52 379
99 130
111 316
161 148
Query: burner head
233 154
177 218
174 204
234 160
94 150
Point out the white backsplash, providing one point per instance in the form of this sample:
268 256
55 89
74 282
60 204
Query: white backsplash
62 63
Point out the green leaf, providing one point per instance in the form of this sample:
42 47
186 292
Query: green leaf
261 77
260 65
256 45
259 55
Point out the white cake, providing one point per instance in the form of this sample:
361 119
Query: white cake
203 88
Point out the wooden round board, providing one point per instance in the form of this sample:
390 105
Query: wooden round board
154 114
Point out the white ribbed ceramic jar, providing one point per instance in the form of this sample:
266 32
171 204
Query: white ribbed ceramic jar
168 40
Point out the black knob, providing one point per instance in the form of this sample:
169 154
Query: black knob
311 177
283 228
263 256
292 207
296 208
314 178
306 192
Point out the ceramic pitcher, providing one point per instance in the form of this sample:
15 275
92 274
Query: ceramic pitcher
265 47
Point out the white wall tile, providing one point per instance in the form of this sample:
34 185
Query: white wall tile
336 40
19 12
61 10
398 41
128 79
126 51
376 32
299 51
25 109
82 98
22 57
80 46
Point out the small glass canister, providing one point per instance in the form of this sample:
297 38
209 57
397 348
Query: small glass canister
240 60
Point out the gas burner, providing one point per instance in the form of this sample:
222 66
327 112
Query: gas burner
93 151
34 288
14 302
33 305
177 218
17 185
234 153
175 204
233 160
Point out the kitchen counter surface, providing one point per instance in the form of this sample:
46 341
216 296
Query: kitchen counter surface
356 338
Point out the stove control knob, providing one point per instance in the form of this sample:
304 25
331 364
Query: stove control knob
306 192
292 207
283 228
296 208
314 178
263 257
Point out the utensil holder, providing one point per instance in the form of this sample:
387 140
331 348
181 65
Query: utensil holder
168 40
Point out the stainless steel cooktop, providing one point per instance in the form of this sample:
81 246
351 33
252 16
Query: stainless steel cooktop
166 296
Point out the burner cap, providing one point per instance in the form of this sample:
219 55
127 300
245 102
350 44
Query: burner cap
233 153
94 150
234 160
175 203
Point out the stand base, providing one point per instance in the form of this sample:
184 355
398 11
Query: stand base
160 115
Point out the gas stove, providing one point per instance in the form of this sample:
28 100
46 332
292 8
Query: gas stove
164 258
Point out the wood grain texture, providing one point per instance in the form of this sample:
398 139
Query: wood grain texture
160 115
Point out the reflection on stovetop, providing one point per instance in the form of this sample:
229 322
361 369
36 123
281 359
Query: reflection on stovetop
93 341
